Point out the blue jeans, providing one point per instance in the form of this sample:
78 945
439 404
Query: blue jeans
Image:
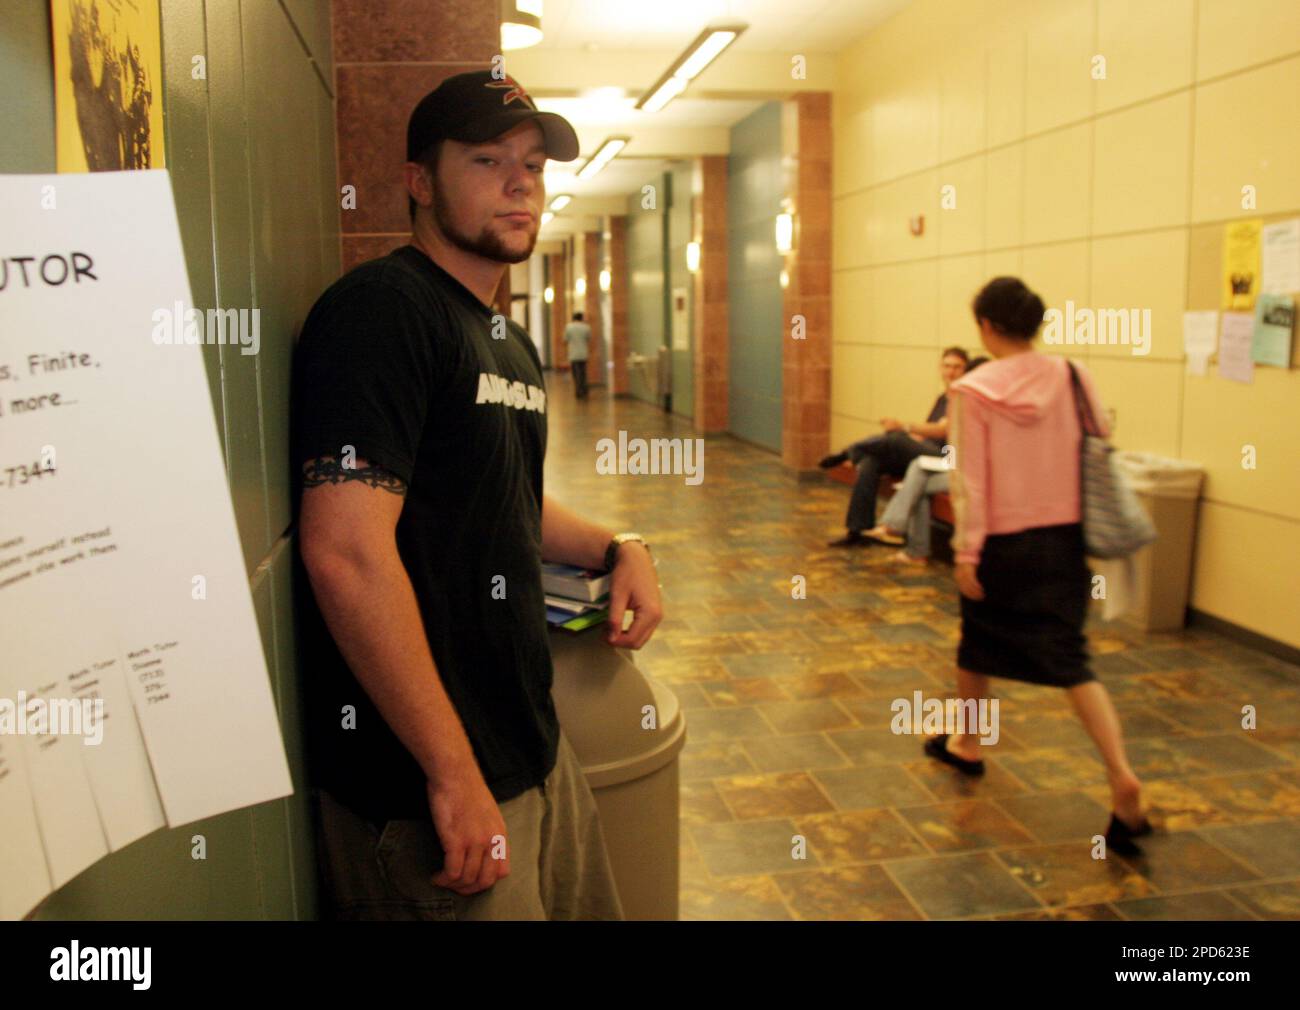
909 509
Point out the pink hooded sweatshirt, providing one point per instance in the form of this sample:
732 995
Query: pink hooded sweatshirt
1015 429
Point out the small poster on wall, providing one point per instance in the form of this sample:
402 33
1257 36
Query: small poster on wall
107 84
1241 264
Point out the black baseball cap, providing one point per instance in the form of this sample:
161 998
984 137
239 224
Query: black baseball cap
478 106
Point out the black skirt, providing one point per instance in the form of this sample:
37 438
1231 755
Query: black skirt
1029 626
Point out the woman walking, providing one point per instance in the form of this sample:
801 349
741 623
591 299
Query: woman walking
1018 541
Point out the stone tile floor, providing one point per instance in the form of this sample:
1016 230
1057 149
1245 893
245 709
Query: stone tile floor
788 721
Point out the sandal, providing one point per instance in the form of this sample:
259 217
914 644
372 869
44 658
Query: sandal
937 748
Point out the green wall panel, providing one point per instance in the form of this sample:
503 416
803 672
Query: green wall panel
185 114
647 290
26 126
754 191
285 178
231 218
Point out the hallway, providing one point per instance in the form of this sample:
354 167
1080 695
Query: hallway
788 721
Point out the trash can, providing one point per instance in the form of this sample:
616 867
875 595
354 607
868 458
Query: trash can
1170 490
627 732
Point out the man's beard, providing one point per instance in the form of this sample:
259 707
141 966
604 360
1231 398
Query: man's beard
485 244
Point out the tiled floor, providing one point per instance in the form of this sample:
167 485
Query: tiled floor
788 722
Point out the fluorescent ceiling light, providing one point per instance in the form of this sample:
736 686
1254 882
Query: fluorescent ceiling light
706 48
547 217
604 154
669 90
561 201
705 54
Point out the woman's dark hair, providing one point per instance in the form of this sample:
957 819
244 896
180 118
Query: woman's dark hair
956 352
1010 307
976 362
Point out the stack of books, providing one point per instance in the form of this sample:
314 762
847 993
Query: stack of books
576 598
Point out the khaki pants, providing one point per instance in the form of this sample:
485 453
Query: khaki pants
558 865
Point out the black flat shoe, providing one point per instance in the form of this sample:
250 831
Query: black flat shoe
1119 836
937 748
835 459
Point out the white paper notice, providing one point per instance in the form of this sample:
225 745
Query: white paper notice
1280 251
1235 339
121 575
1200 337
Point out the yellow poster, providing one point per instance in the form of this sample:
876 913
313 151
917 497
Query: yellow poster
1241 266
107 84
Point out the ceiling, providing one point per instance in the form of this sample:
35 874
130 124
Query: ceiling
598 57
774 25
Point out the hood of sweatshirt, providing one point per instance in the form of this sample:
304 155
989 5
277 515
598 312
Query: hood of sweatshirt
1019 387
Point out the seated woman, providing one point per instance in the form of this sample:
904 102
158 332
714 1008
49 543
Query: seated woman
908 513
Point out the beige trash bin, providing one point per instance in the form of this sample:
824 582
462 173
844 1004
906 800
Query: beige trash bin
1170 491
602 701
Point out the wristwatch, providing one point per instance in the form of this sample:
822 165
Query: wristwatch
611 552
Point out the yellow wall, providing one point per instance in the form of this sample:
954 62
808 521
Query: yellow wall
1111 193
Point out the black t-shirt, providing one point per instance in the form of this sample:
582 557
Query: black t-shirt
939 409
398 360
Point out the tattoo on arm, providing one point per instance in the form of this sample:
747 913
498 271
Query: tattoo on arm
328 470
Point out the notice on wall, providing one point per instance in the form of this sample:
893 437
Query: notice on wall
1274 321
134 692
1241 264
107 84
1200 338
1280 252
1235 339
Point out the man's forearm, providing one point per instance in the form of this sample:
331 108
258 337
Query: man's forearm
371 610
569 539
937 430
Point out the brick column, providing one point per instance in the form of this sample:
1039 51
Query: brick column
559 310
712 337
386 58
592 263
806 362
618 295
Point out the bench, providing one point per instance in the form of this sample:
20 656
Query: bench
942 518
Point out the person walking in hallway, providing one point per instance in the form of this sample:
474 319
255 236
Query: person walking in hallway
577 336
1018 542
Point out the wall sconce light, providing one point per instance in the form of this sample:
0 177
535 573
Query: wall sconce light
785 278
693 257
521 24
784 232
580 287
604 280
548 294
